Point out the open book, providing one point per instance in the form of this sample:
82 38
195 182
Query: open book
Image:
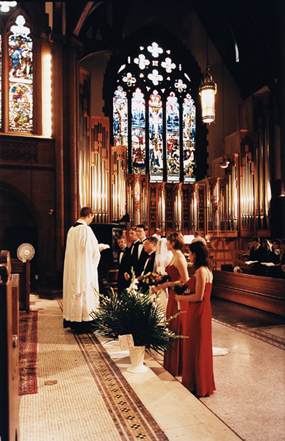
250 262
103 246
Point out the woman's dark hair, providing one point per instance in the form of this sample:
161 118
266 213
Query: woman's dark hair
202 254
178 240
266 242
277 241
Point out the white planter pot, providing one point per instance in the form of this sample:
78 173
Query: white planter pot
137 358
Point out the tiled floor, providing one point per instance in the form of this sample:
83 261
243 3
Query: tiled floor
249 402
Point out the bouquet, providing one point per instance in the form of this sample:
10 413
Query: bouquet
180 288
154 279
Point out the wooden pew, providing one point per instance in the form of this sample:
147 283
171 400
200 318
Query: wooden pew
258 292
9 349
23 269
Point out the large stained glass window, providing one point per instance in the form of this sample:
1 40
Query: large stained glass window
154 115
20 47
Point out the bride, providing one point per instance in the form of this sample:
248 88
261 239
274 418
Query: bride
163 257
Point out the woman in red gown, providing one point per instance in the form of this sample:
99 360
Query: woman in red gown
177 270
197 373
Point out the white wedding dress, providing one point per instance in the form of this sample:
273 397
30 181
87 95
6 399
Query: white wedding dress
162 258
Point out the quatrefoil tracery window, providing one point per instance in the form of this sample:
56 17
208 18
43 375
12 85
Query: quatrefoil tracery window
154 115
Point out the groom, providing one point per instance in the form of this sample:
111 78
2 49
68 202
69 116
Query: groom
150 248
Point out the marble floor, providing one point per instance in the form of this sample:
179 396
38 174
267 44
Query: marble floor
249 402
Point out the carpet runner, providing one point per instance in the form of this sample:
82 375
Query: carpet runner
28 340
131 418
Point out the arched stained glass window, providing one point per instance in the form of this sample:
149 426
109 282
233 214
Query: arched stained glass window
20 47
154 115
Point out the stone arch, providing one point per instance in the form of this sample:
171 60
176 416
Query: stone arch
20 222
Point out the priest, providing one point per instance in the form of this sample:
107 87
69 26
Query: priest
80 275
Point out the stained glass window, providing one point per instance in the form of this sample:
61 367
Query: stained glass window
154 115
20 47
189 133
155 137
172 138
120 117
138 132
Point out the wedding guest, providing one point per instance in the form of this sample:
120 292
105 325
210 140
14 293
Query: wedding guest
257 254
157 233
197 372
274 257
123 264
177 270
266 244
80 274
282 257
198 237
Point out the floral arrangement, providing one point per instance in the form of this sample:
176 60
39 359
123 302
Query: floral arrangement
180 288
131 312
154 279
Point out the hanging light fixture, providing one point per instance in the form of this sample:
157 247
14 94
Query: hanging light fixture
207 91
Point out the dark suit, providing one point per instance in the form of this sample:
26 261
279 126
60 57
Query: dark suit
133 258
142 257
123 265
259 254
148 268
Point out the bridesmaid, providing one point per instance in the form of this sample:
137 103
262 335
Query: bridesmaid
177 270
197 373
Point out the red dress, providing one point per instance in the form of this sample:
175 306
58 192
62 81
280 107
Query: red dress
197 374
173 357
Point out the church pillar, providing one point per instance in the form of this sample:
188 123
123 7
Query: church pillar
57 106
70 130
281 202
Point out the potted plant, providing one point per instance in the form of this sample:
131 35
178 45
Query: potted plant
131 312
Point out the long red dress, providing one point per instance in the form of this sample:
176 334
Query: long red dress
197 374
173 357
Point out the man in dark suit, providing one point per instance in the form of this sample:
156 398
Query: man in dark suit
123 263
141 231
259 254
150 249
132 255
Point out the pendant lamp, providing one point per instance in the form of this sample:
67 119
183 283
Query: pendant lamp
207 91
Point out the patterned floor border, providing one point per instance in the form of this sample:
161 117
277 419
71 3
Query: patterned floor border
130 416
259 333
28 341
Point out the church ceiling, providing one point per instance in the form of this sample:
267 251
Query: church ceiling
246 33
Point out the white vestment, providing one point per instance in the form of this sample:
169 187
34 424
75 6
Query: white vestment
80 275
